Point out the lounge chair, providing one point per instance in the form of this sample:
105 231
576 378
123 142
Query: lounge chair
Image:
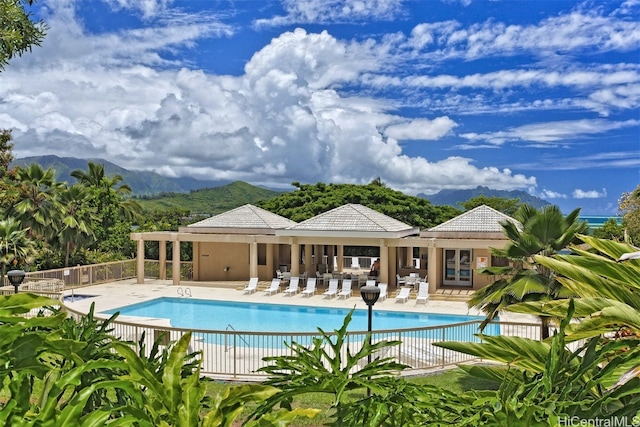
371 282
423 293
293 286
274 288
311 287
252 286
346 289
403 295
383 291
400 281
333 288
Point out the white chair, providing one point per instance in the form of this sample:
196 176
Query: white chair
293 286
252 286
333 288
311 287
371 282
346 289
423 293
383 291
399 280
274 288
404 294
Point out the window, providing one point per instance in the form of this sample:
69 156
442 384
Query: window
498 261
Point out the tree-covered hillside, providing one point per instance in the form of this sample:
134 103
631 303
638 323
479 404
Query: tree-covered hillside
209 201
310 200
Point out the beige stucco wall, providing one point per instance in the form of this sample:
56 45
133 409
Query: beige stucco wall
214 258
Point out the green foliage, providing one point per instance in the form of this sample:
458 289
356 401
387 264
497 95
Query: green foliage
6 151
208 201
611 230
88 378
544 232
609 291
547 382
18 33
506 206
310 200
329 366
629 207
98 339
16 249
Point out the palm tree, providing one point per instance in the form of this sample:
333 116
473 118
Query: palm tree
37 207
15 246
543 232
609 289
78 220
95 178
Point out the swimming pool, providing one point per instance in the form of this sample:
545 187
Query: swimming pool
191 313
77 297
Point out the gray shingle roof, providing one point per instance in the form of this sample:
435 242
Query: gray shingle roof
247 216
352 217
480 219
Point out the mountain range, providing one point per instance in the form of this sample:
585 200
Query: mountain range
142 183
151 185
455 197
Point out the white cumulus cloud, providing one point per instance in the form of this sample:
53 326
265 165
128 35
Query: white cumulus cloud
589 194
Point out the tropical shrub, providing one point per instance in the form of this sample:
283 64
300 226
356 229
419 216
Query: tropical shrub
540 232
547 384
56 372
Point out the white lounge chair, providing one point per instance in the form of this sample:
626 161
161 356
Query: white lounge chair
383 291
403 295
371 282
293 286
423 293
252 286
346 289
400 280
274 288
311 287
333 288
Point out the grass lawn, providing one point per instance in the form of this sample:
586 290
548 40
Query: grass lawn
455 380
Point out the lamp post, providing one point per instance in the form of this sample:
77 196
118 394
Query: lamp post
15 278
370 295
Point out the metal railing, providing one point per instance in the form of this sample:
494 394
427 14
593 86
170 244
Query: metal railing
94 274
239 354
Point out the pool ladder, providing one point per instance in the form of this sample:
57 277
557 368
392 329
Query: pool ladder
184 293
226 337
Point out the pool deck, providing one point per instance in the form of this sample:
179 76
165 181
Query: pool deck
126 292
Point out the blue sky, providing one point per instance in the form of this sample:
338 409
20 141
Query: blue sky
540 96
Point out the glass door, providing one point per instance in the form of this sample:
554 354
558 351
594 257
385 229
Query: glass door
457 267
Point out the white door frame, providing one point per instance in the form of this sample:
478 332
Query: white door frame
456 268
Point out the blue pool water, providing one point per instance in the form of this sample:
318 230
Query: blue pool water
77 297
193 313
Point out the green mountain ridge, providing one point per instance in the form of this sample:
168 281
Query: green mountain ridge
206 202
455 197
141 182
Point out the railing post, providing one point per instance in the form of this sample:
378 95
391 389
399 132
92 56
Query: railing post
235 354
444 335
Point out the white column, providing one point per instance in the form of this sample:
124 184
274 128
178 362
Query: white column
162 259
384 262
176 259
253 259
140 259
432 269
295 259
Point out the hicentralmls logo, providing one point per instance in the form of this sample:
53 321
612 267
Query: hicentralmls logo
576 421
